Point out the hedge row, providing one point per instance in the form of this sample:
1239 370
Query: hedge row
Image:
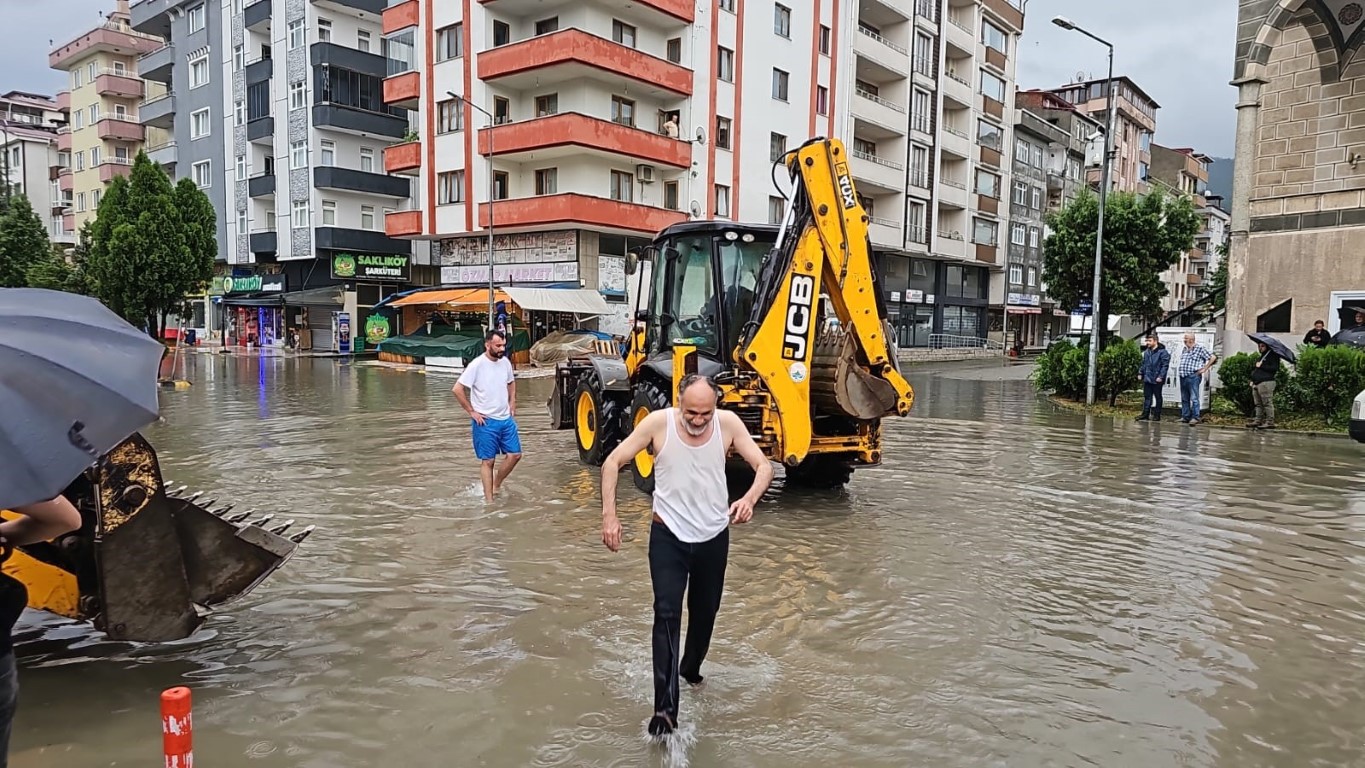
1323 383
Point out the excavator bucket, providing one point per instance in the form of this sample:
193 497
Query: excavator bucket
147 559
841 384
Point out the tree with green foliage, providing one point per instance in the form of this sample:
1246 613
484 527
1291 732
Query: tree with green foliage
152 244
1143 236
1218 281
23 242
63 272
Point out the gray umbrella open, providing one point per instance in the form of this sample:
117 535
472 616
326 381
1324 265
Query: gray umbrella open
1276 346
75 380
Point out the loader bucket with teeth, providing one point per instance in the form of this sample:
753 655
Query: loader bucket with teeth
148 558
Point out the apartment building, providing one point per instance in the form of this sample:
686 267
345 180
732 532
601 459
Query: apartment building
29 160
103 134
275 109
605 124
1185 173
1134 127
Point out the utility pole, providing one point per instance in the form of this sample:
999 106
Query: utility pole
492 194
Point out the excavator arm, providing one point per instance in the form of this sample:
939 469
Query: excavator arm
822 249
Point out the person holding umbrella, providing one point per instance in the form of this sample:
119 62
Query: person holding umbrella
75 381
1263 374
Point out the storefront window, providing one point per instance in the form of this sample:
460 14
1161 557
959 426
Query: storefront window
922 274
965 282
963 321
895 273
914 325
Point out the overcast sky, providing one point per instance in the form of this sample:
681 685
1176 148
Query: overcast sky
1179 51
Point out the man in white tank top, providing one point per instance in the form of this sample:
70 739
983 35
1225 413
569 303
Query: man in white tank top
690 535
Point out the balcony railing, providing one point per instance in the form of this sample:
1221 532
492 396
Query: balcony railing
871 158
959 24
891 105
956 131
884 222
869 33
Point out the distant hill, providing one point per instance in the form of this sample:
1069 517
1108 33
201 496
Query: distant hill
1220 180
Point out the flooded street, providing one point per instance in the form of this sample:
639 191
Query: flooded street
1015 586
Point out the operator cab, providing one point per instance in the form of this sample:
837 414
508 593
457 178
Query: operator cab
702 285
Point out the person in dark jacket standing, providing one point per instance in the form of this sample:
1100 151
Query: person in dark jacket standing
1318 337
1156 364
1263 387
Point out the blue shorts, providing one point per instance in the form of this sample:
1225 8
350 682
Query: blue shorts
495 437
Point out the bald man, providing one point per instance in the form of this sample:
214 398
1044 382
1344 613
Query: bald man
689 539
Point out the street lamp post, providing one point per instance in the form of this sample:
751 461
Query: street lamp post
1095 319
492 186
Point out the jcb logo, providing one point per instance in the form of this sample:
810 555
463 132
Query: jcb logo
846 186
800 297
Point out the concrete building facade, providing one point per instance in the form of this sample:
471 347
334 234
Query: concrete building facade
1134 128
30 162
103 134
606 124
1298 208
276 109
1185 173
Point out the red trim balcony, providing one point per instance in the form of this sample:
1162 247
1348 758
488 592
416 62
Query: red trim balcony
109 37
120 129
66 182
571 54
121 86
579 209
403 90
403 159
69 222
402 16
114 167
64 140
590 133
403 224
64 101
679 9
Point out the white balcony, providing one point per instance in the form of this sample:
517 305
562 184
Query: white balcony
884 112
877 174
955 142
950 244
953 194
957 87
958 32
885 233
885 54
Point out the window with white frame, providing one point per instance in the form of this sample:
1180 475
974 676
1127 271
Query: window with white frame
450 42
1033 233
241 222
300 218
1037 204
449 117
992 87
196 18
239 113
241 167
367 217
547 181
780 80
821 100
238 58
297 35
725 64
722 200
95 156
622 186
94 113
367 159
1020 193
362 40
1032 276
199 68
80 202
200 124
202 173
985 232
329 152
298 95
95 199
298 155
1018 234
450 187
1016 274
324 30
782 20
329 213
777 208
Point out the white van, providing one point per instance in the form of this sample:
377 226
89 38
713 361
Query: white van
1357 426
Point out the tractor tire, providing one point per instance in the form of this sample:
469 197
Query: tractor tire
648 398
597 420
819 472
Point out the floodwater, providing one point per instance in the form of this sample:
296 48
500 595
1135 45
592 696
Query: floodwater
1015 586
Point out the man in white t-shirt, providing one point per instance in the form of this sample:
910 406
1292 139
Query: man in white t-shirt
488 391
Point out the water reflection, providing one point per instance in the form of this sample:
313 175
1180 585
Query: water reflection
1016 585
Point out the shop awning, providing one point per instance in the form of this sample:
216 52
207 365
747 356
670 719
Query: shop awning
578 301
450 297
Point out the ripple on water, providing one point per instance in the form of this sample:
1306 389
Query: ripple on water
1014 586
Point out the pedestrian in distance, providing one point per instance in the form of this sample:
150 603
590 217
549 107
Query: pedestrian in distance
1263 387
689 537
1318 337
487 389
30 524
1156 365
1195 362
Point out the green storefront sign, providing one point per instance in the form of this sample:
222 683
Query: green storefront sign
226 285
369 266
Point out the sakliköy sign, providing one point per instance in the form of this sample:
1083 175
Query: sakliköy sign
371 266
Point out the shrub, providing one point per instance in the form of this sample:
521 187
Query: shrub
1116 369
1235 374
1061 369
1328 379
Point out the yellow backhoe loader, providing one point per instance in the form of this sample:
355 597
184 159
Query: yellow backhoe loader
147 560
788 320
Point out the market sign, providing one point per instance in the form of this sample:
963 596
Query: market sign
228 285
370 266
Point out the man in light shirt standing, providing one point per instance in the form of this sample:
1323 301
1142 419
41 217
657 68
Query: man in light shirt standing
487 389
689 539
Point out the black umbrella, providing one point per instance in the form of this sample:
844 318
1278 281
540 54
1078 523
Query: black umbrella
1275 345
1354 337
75 380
